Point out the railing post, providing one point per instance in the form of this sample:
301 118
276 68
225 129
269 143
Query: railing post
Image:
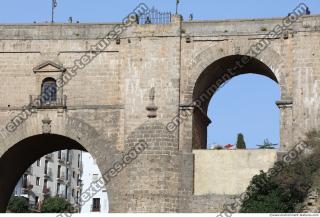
30 99
64 101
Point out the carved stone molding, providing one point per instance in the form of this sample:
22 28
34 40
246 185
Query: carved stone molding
49 66
46 125
152 108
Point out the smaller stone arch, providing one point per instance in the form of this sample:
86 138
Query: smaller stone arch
215 66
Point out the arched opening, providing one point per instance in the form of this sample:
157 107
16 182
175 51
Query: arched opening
55 165
246 105
48 91
214 77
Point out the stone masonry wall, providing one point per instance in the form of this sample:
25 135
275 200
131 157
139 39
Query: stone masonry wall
110 95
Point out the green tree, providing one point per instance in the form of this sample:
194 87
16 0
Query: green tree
56 205
240 142
18 205
267 145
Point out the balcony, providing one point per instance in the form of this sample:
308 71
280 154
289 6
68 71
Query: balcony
40 103
69 158
79 183
29 171
49 156
62 159
46 191
68 180
60 195
26 187
61 178
48 173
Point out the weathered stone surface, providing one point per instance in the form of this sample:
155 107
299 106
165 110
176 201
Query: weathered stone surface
106 102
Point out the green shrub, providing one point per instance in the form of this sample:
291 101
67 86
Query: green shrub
56 205
266 145
218 147
18 205
285 191
263 29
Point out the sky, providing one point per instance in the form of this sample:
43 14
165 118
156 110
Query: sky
246 104
17 11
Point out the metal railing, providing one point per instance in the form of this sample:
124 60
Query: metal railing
96 208
155 17
49 156
47 172
41 103
46 190
29 171
62 159
26 187
61 178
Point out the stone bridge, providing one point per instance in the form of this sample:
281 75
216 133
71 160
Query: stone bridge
142 88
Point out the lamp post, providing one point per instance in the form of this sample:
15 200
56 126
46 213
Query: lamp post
177 5
54 5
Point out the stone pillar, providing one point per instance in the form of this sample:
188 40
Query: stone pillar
199 129
184 124
286 124
153 178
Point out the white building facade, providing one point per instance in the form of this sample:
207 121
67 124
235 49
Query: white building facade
91 173
55 174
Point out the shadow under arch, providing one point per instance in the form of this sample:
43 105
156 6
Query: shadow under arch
19 157
211 79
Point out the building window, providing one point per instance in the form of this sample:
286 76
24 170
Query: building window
79 160
78 180
45 183
68 155
38 181
46 167
72 192
38 163
66 192
96 205
49 91
59 155
58 189
25 181
95 177
67 174
74 174
59 171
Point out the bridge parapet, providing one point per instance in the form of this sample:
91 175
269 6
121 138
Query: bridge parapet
78 31
229 172
247 27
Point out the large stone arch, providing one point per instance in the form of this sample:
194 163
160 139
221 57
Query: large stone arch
34 138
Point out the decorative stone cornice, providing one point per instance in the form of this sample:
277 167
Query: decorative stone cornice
284 103
46 125
49 66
